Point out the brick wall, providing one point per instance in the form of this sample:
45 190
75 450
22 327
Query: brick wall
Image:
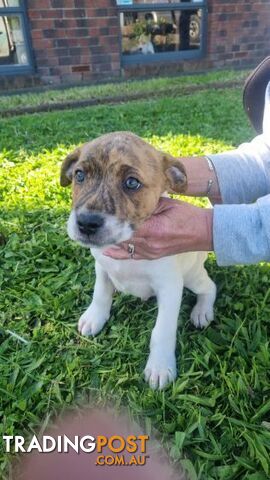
78 40
239 31
74 40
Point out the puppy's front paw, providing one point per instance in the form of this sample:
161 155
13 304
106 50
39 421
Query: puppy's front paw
160 369
92 321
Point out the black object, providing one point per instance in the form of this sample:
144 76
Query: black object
254 94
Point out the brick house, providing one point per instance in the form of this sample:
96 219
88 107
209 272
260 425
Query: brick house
74 41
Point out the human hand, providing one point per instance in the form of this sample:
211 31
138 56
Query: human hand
175 227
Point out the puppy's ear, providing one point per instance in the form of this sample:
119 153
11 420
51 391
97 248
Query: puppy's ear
67 167
175 173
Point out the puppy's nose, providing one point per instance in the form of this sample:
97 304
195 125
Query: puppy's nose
89 223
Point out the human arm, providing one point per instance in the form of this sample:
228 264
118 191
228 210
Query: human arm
241 175
238 233
175 227
237 176
241 233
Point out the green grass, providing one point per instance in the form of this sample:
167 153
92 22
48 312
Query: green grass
214 418
115 89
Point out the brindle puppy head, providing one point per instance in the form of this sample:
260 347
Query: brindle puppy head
117 181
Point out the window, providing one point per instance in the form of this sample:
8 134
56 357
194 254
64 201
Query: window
15 53
156 31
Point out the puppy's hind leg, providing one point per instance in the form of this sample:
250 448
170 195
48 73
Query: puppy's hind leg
203 312
97 314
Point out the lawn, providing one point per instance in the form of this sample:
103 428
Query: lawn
215 418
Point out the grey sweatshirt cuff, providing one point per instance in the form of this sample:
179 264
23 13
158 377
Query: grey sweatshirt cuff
240 233
244 174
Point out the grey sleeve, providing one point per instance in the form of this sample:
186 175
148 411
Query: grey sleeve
241 233
244 174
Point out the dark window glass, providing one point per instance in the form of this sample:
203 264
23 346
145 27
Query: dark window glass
151 32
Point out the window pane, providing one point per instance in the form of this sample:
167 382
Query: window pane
160 31
9 3
12 42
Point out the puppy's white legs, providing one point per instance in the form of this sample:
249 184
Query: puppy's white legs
97 314
203 312
161 364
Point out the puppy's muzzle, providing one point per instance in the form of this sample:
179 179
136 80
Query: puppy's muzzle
89 223
92 228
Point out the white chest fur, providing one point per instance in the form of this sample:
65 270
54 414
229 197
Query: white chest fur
128 276
144 278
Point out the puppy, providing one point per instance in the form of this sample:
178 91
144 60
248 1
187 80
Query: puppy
117 182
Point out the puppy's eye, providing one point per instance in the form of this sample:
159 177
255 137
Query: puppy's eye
132 183
79 176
